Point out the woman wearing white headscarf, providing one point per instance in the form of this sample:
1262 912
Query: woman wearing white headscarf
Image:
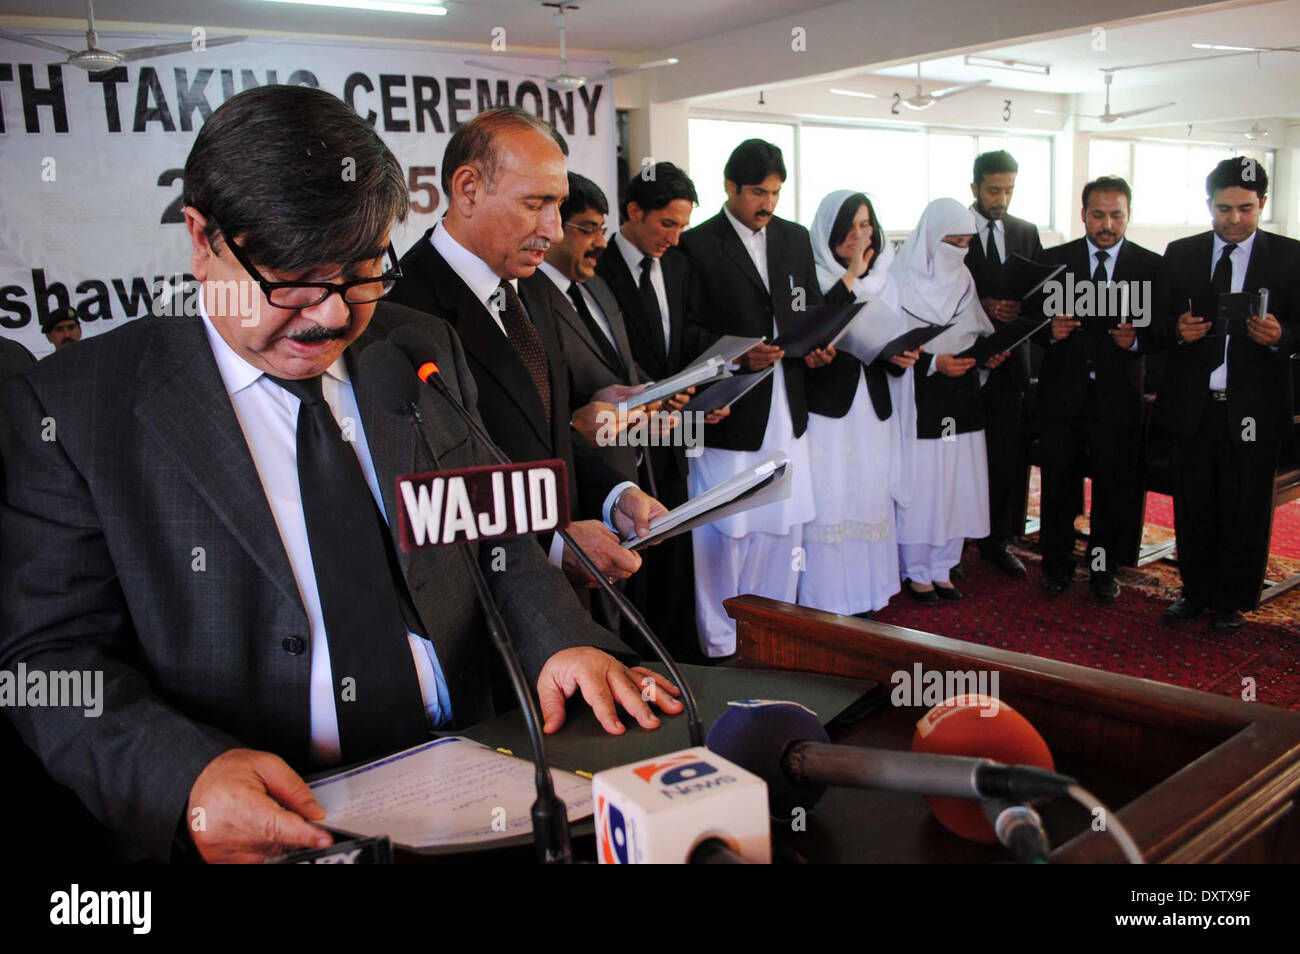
854 432
949 491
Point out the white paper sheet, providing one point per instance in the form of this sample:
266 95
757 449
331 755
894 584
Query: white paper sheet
450 791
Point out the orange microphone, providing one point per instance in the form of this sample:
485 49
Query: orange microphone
978 727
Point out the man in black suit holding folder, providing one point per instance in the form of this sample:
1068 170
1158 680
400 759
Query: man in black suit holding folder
1000 236
752 274
1090 390
1227 397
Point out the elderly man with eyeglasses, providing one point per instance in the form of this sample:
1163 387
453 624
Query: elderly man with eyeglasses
212 526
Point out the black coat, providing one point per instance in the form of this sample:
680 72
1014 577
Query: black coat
832 387
726 296
1063 377
1259 379
1021 239
507 398
593 362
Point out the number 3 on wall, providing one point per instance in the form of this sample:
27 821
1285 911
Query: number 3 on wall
432 198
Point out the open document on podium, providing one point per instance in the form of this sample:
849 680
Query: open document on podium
450 791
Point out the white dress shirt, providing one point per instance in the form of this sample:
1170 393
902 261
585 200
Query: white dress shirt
633 256
1240 258
483 283
999 234
564 283
755 244
268 416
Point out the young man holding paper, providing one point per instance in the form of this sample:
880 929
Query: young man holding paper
1227 397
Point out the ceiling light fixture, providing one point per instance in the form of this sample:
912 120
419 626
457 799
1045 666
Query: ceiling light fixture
1004 63
429 9
854 92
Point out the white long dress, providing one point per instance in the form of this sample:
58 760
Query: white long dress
753 551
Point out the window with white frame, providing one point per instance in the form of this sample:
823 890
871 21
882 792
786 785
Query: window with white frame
1168 178
902 169
712 141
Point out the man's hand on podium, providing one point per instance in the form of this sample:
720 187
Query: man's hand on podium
603 681
253 807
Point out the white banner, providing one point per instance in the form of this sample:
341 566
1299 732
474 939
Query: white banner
90 209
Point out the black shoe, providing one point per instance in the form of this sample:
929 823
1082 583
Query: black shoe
1228 621
1104 587
863 615
1054 585
925 597
1005 560
1182 610
950 593
957 573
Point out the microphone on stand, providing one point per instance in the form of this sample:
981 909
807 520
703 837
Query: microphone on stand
387 371
419 348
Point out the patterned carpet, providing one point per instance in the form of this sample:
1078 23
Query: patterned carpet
1129 636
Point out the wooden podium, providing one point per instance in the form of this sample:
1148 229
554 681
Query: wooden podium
1195 777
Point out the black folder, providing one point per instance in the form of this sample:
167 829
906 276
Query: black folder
817 328
1021 278
1006 337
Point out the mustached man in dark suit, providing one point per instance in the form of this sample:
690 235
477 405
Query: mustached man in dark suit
1227 399
1090 391
752 274
648 276
999 237
504 178
213 529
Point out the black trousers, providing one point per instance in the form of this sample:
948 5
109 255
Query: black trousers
1082 443
1223 510
1008 454
664 588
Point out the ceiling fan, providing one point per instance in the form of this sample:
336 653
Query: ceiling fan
1107 117
92 59
564 81
921 100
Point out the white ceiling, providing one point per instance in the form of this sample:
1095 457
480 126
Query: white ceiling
1076 66
600 25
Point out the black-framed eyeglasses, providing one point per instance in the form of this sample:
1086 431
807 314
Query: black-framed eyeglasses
298 295
590 229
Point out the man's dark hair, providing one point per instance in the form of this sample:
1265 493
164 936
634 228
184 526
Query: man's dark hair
666 183
474 144
753 161
1242 171
57 317
1108 184
583 195
297 176
844 222
992 163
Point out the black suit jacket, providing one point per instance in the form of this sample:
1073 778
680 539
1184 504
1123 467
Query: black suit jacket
1063 377
593 361
97 570
508 401
1021 239
1259 379
644 334
726 296
832 387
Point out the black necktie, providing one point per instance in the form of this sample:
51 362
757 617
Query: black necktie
650 302
1099 273
527 343
607 347
1222 278
991 253
376 689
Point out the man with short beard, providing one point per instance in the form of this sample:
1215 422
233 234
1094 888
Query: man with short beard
1089 404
